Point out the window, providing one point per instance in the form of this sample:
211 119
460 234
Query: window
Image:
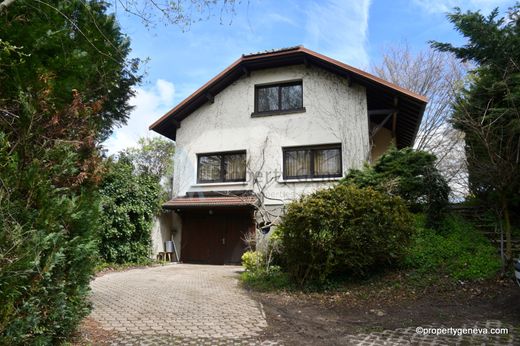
279 97
221 167
322 161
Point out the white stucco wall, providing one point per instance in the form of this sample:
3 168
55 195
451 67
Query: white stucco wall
335 113
165 225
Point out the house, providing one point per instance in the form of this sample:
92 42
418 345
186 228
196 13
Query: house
269 128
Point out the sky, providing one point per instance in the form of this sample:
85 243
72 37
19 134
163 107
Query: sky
180 60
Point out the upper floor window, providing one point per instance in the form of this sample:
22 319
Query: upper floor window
221 167
279 97
322 161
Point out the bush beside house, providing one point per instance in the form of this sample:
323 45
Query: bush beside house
411 175
343 230
364 225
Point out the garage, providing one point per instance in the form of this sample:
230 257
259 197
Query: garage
215 238
213 228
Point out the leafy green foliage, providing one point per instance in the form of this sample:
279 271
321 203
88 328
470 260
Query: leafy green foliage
459 251
153 156
132 196
105 266
486 109
47 248
64 82
129 203
252 260
266 280
491 98
260 273
343 230
409 174
66 46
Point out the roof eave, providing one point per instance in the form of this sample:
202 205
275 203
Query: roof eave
169 122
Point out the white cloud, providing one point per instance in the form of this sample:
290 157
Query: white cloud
444 6
149 104
339 29
166 91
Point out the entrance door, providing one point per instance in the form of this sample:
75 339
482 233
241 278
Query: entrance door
216 238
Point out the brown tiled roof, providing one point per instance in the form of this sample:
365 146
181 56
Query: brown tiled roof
222 201
270 51
381 94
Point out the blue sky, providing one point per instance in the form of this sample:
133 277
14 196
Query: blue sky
354 32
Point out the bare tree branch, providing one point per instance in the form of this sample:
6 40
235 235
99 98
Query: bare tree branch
438 76
182 13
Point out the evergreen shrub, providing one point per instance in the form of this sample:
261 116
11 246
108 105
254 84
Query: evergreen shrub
343 230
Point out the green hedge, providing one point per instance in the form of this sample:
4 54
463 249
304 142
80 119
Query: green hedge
343 230
47 250
129 204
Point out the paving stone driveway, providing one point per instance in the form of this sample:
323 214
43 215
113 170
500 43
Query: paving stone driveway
409 336
186 304
177 304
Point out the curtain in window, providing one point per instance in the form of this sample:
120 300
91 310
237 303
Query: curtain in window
235 167
327 162
209 168
297 163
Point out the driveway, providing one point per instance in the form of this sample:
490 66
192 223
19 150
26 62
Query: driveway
176 304
185 304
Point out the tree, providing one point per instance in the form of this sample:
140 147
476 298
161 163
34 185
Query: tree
65 81
182 13
487 109
129 204
410 174
154 157
436 75
74 45
132 195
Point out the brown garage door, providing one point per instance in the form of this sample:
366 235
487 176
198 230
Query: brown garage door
215 238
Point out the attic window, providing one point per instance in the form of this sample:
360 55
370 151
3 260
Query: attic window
279 98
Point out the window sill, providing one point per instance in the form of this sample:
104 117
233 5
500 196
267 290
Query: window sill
271 113
308 180
228 183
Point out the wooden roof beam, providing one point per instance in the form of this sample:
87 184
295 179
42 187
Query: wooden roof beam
176 123
380 125
384 111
